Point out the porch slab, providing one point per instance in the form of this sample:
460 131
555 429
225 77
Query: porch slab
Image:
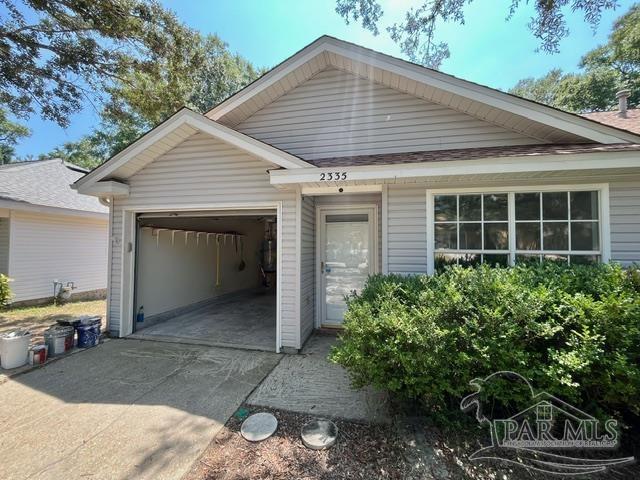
308 383
246 321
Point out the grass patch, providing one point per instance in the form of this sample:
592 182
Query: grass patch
37 319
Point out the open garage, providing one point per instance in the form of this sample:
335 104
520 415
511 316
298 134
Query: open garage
207 278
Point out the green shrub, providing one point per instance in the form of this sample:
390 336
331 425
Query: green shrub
573 331
5 291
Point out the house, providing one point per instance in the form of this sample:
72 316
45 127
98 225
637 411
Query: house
339 163
49 232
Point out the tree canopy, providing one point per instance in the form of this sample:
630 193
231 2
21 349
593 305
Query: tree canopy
417 35
205 74
603 71
58 54
10 133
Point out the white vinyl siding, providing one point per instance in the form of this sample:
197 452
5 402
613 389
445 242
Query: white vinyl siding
407 229
338 114
307 267
204 171
4 245
624 208
45 248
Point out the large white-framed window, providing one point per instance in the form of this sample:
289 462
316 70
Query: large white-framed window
505 225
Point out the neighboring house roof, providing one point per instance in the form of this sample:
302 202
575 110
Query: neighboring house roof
472 154
630 121
518 114
45 183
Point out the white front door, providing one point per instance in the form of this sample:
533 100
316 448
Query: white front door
347 258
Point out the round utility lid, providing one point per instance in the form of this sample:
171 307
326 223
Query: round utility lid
259 426
319 434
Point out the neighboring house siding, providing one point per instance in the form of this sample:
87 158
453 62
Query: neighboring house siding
624 208
4 245
47 248
336 113
204 171
307 267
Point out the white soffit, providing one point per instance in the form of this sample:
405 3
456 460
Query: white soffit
517 114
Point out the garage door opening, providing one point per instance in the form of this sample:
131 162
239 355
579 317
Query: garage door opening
207 278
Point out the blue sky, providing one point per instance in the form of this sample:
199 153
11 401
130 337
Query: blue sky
487 49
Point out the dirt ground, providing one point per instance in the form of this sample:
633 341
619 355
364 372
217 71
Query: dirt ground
38 319
362 452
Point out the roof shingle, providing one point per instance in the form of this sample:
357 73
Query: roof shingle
630 122
471 154
45 183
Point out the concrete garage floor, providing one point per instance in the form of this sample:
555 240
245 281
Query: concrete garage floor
247 321
125 409
309 383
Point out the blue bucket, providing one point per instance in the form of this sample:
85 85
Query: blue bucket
88 332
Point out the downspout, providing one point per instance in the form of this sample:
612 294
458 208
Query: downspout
108 202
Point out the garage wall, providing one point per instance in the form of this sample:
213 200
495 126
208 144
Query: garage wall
206 173
48 247
171 275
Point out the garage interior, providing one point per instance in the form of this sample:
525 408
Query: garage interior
207 278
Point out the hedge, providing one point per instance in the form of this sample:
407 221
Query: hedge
573 331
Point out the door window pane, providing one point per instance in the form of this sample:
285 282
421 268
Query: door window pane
496 207
584 205
470 236
556 236
470 208
555 206
584 236
348 217
445 208
446 236
528 236
527 206
496 236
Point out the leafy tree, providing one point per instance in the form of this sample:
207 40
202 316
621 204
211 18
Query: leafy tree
416 35
74 49
603 71
10 133
202 75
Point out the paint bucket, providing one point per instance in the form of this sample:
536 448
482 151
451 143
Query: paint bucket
88 332
59 339
38 355
14 349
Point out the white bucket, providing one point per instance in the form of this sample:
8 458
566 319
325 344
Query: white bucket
14 351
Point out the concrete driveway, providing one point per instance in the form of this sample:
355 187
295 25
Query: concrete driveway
126 409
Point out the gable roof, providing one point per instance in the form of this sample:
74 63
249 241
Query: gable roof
45 183
172 132
630 122
518 114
